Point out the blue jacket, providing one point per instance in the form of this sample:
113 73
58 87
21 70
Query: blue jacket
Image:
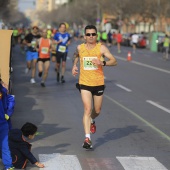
7 103
10 105
3 104
20 149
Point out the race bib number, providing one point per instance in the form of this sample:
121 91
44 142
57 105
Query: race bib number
33 43
44 50
87 63
62 49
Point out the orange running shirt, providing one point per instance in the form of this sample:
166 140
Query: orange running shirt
44 48
90 75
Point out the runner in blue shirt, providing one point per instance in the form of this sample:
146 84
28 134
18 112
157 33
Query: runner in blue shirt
62 39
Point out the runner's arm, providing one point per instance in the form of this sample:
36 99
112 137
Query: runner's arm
76 56
111 59
51 45
75 61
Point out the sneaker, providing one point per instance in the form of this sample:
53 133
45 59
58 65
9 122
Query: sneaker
62 79
87 143
42 84
40 74
26 70
93 128
58 77
32 81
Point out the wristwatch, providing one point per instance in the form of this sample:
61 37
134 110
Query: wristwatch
104 63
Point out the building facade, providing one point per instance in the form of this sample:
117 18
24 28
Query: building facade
49 5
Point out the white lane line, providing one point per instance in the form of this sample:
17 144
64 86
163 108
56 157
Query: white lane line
145 65
142 163
139 118
61 162
123 87
159 106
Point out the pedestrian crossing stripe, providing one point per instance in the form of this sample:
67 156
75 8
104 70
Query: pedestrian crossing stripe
140 163
70 162
61 162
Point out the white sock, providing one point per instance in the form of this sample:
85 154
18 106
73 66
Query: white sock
87 136
92 120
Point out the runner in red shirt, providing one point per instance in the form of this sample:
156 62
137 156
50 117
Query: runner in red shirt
44 56
119 40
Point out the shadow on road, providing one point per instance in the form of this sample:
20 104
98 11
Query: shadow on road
116 133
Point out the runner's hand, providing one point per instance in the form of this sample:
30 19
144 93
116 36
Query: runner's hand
97 62
59 41
74 70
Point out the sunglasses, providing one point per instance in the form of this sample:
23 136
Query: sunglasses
89 34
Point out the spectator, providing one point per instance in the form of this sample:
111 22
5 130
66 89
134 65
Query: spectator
4 147
104 37
98 36
20 148
166 42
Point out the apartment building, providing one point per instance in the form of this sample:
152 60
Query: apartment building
49 5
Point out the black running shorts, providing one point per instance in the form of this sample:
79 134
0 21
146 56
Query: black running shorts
43 59
95 90
60 56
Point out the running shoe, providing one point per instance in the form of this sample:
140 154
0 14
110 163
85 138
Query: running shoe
58 77
93 127
87 143
62 79
42 84
26 70
32 81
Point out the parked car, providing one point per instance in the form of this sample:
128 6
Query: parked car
126 38
142 41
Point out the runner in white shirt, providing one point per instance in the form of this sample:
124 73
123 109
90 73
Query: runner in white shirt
135 39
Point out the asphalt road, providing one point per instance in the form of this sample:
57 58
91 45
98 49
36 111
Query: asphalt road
133 130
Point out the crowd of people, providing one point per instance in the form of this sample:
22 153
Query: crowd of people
40 47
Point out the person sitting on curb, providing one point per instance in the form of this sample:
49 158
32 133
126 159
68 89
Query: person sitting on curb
20 148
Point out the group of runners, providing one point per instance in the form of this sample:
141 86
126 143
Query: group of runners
91 55
42 45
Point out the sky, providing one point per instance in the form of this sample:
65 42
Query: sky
25 4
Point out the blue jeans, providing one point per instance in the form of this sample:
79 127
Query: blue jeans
4 147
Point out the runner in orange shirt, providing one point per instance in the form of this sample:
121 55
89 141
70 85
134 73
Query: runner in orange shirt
44 56
91 79
119 40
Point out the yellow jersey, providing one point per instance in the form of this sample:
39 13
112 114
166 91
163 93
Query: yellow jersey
90 75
